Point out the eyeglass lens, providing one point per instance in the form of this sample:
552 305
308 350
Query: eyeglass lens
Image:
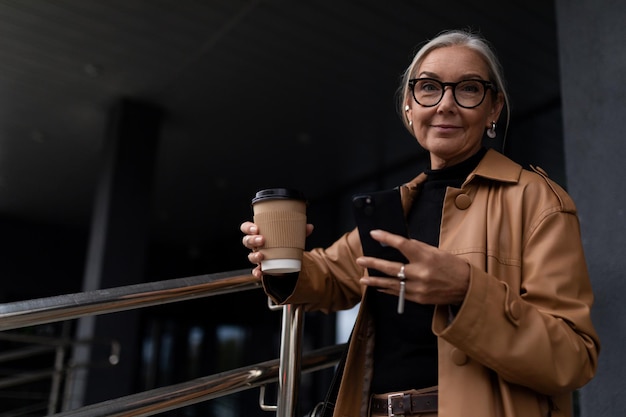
469 93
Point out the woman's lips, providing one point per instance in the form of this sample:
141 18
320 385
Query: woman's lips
445 127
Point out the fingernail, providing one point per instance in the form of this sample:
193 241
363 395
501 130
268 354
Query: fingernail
257 239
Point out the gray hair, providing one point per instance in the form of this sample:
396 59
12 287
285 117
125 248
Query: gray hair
455 38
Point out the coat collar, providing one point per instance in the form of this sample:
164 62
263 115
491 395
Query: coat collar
496 167
493 166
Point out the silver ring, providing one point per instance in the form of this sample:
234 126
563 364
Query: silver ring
401 275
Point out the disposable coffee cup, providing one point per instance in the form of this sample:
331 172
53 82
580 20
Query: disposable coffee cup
280 215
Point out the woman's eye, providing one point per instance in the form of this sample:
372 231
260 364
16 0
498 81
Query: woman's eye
429 87
470 87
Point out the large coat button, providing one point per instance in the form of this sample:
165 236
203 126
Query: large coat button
459 357
462 201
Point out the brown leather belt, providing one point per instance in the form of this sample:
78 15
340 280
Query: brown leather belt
403 404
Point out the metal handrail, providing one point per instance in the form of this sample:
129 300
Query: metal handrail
163 399
70 306
290 360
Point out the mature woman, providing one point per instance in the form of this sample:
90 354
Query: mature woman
497 314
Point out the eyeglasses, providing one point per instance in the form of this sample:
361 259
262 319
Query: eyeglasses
468 94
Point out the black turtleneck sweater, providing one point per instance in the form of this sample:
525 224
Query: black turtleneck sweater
405 350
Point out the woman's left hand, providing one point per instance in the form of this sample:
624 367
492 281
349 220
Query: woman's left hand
433 276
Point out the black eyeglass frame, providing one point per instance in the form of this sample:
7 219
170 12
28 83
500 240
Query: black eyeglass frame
487 85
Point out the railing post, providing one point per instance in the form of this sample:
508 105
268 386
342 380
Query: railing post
290 360
59 367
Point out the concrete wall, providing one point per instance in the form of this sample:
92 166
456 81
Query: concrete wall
592 45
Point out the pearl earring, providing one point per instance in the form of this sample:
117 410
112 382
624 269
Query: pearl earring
406 109
491 132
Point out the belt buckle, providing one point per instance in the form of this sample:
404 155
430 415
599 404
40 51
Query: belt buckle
390 399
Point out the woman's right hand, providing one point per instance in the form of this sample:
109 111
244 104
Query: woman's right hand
253 241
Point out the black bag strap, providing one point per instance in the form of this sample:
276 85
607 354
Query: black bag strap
326 408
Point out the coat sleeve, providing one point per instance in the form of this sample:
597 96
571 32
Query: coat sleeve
329 279
539 335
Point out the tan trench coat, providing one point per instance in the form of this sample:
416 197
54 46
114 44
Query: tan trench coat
523 339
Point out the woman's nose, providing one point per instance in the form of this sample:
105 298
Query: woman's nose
448 98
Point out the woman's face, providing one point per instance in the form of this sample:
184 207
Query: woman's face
448 131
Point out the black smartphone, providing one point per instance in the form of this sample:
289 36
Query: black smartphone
380 210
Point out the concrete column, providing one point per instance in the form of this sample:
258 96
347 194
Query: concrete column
116 252
593 83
